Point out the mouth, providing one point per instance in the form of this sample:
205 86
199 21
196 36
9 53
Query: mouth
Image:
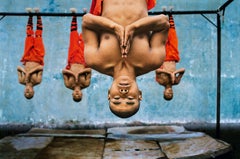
124 81
124 84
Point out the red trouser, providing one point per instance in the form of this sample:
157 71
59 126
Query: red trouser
34 48
172 53
76 49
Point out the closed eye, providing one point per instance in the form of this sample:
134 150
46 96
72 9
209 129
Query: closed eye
130 102
117 102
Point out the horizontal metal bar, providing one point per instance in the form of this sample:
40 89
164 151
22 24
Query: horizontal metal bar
81 14
184 12
40 14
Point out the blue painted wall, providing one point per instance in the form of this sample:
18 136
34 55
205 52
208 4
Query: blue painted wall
195 96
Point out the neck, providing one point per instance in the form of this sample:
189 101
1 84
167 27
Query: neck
124 69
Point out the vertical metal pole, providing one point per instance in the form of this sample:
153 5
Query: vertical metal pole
218 111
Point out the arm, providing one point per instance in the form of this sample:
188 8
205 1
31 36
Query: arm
101 24
178 75
21 75
85 77
157 23
35 75
163 77
69 78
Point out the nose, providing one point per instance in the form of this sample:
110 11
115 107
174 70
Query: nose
123 91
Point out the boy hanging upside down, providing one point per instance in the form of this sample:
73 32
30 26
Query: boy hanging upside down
76 75
167 75
122 41
33 57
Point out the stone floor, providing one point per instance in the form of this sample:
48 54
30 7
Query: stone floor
138 142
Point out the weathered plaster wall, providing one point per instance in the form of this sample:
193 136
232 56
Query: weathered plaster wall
195 96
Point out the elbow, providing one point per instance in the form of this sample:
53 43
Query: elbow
163 22
86 19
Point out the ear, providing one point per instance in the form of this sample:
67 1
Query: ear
108 94
140 95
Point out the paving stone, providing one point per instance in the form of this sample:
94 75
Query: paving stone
132 149
141 142
96 133
22 147
195 148
73 148
160 133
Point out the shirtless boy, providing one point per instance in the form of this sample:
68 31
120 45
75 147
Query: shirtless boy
76 75
124 42
33 57
167 75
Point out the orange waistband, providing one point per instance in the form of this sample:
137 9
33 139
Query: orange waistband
96 6
151 3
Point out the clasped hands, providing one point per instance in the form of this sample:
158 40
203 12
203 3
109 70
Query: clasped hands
125 36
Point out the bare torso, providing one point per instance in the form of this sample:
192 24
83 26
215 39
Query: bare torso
124 13
111 55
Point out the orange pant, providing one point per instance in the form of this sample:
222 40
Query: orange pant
96 6
76 49
76 46
34 48
172 53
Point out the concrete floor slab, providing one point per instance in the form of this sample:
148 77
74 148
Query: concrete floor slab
139 142
73 148
200 148
160 133
22 147
132 149
97 133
